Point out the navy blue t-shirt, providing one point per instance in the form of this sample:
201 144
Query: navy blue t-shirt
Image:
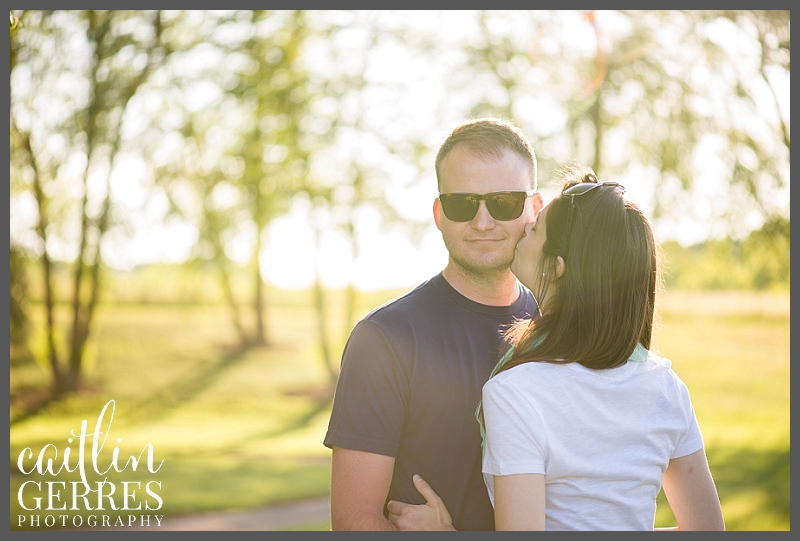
411 377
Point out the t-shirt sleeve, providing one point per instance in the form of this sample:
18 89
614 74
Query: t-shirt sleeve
692 439
370 402
515 436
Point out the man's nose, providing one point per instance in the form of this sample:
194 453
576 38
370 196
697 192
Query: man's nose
483 219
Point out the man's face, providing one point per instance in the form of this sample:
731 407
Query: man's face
484 245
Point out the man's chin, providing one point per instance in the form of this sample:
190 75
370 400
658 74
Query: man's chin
484 267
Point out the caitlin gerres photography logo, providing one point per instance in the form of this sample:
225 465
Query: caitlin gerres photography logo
78 484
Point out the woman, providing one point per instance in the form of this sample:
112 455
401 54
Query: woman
583 424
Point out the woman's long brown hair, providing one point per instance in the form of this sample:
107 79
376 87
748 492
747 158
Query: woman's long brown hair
603 304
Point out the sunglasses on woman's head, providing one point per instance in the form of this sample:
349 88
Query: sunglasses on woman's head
503 206
580 189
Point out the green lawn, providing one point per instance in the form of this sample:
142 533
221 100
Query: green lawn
241 429
732 351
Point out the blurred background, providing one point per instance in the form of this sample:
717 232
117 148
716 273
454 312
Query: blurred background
203 203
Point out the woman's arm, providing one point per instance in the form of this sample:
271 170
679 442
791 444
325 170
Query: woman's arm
691 493
432 515
519 501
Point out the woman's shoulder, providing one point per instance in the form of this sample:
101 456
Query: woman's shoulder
525 375
661 368
656 361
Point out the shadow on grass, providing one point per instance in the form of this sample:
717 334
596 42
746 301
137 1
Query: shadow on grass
160 403
171 397
319 405
175 395
760 475
191 385
744 470
30 401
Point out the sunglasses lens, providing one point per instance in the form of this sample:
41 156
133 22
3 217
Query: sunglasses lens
503 206
506 206
459 207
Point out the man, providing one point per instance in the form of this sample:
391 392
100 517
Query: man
412 370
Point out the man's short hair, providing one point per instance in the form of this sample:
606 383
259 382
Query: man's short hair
488 138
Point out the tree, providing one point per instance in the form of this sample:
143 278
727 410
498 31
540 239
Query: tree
352 154
274 91
69 99
18 319
668 99
239 153
693 91
276 133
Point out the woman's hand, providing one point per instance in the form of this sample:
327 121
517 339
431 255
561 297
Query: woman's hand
432 515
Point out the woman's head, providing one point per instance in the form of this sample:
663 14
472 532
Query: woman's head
591 261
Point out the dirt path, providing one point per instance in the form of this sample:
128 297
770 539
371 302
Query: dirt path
277 517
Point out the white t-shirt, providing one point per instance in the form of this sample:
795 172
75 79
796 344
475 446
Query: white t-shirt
602 438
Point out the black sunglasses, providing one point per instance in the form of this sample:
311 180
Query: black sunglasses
580 189
503 206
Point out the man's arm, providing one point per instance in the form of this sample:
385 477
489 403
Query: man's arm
359 486
691 493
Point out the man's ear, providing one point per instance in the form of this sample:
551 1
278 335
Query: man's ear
538 203
437 212
560 266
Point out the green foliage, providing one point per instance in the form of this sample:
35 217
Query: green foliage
758 262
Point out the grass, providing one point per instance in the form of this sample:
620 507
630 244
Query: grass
732 351
239 429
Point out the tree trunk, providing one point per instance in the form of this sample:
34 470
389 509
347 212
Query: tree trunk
322 329
96 33
52 354
230 297
351 294
86 312
58 383
320 308
258 287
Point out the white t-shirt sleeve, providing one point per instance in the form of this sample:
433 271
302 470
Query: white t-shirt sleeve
692 440
515 437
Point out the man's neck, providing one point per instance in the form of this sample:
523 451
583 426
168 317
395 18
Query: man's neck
491 289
